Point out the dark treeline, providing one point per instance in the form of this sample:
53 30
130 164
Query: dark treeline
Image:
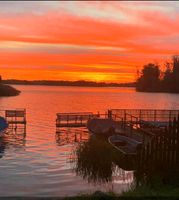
67 83
153 79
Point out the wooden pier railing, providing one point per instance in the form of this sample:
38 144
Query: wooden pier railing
146 115
77 119
15 117
160 157
141 124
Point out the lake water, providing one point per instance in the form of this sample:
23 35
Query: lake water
41 162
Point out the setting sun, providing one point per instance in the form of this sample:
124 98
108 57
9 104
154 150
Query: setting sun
79 40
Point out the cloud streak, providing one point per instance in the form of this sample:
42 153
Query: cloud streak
115 36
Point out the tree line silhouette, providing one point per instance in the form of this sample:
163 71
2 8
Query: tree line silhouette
152 79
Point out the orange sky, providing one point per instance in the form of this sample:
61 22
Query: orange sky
99 41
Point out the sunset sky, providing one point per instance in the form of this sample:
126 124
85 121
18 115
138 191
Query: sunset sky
98 41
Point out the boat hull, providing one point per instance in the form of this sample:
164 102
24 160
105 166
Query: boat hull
126 151
124 144
3 126
101 126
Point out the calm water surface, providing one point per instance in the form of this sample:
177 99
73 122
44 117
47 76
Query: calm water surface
40 162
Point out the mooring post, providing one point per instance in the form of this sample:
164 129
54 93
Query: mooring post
109 114
124 119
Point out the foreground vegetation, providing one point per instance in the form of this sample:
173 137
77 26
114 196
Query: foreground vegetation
153 79
158 191
141 191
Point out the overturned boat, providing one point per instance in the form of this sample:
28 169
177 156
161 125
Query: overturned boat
3 126
101 126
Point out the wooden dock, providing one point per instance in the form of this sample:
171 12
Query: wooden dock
145 115
16 118
141 124
77 119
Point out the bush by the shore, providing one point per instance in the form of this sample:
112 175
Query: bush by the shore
7 90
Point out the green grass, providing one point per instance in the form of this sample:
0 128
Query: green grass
146 191
141 191
95 196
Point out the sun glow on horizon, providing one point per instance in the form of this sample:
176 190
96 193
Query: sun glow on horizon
95 41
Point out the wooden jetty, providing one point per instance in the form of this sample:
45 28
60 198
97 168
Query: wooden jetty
159 154
144 124
140 124
15 117
145 115
77 119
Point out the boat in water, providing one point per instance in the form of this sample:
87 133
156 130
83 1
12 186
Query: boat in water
126 150
3 126
124 144
101 126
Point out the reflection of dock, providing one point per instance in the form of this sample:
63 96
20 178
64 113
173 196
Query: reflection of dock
71 136
14 138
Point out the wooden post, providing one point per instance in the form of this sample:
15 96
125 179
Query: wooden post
155 113
109 114
81 119
67 119
124 119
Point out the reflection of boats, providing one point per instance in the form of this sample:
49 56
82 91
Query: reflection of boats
124 144
3 126
101 126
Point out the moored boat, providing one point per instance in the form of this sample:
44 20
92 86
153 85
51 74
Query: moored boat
3 126
124 144
101 126
125 151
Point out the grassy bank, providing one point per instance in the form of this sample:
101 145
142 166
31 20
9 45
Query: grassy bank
146 191
7 90
141 191
95 196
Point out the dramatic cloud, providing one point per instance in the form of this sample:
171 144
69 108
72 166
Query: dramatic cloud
91 40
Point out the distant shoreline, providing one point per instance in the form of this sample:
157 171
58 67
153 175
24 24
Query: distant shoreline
67 83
